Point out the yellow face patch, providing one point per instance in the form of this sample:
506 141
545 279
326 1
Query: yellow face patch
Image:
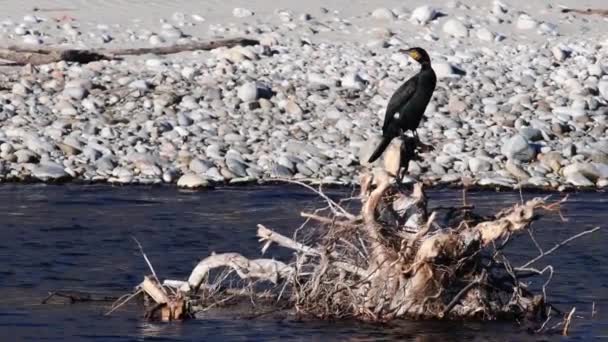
414 54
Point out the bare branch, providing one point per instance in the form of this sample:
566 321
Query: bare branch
568 321
557 246
266 234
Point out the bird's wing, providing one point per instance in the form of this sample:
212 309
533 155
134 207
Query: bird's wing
399 98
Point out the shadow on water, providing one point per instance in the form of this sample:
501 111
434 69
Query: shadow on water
79 237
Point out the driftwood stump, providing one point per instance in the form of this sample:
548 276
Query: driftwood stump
390 261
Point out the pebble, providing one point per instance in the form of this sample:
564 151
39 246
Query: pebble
526 22
383 14
192 181
49 171
578 179
603 89
240 12
75 92
484 34
139 85
353 81
424 14
516 170
477 165
517 147
497 181
248 92
447 70
591 171
32 40
498 7
455 28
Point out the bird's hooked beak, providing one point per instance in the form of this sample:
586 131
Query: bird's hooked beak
412 53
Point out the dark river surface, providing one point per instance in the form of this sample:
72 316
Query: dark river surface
78 237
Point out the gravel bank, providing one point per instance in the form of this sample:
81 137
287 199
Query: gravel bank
522 97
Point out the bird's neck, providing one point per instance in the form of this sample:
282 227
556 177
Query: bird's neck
425 65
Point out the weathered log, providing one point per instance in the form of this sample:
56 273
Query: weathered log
587 11
19 57
23 55
194 46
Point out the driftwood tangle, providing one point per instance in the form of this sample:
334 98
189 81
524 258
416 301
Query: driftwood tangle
22 55
389 262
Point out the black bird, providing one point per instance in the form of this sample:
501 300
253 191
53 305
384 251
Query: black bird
407 105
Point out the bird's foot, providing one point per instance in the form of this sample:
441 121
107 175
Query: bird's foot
424 148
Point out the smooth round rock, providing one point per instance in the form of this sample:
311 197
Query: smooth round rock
191 181
455 28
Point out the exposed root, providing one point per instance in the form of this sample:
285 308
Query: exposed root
391 261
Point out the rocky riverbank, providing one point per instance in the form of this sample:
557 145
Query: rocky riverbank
522 98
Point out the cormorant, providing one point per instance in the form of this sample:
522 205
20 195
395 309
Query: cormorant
407 105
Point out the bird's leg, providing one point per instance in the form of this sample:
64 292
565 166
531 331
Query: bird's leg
404 159
423 147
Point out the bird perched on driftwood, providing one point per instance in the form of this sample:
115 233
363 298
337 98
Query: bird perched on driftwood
407 105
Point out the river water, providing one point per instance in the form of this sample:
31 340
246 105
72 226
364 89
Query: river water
79 237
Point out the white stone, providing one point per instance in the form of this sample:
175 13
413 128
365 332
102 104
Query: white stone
139 85
517 147
155 40
240 12
248 92
32 19
424 14
383 14
595 70
154 63
445 70
189 72
591 171
455 28
578 179
178 16
32 40
526 22
198 18
479 165
548 29
171 32
484 34
192 180
75 92
497 181
499 7
20 30
352 81
49 171
559 53
603 88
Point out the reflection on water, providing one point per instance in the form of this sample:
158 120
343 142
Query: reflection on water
79 237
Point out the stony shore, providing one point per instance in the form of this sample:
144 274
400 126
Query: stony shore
518 101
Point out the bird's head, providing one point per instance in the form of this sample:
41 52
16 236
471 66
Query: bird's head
418 54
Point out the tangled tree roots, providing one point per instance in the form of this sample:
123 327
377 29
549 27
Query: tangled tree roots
391 261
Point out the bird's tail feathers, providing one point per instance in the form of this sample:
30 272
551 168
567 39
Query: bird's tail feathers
380 149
